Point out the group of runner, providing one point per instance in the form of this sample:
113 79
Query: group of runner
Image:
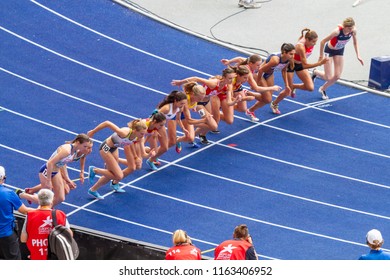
197 107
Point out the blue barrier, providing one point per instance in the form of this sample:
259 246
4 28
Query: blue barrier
380 73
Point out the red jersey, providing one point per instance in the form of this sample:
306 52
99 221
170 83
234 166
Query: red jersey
215 91
39 225
308 51
183 252
232 250
338 42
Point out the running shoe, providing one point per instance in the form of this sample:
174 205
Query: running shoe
275 108
178 147
251 115
116 187
194 145
91 174
251 4
357 2
241 3
157 162
95 194
215 131
293 93
323 94
203 140
313 75
151 165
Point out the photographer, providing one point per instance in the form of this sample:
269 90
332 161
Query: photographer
239 248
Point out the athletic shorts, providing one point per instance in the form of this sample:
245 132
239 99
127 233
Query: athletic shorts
241 88
267 75
43 170
222 96
182 117
204 103
107 149
333 52
297 67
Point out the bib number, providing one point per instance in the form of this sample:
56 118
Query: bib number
106 148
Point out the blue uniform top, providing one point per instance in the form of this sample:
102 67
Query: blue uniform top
279 67
338 42
376 255
9 201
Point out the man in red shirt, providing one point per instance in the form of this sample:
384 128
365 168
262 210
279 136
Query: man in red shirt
38 225
239 248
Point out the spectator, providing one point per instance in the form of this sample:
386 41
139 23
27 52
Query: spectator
239 248
375 241
39 223
183 248
9 201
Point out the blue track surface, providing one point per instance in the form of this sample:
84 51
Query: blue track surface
309 183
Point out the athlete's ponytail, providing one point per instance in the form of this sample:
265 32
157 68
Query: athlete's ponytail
172 97
309 35
287 47
137 125
81 138
158 117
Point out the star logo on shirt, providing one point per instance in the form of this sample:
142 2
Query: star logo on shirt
47 222
194 252
228 249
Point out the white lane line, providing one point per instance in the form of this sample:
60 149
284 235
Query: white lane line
214 175
118 41
80 63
